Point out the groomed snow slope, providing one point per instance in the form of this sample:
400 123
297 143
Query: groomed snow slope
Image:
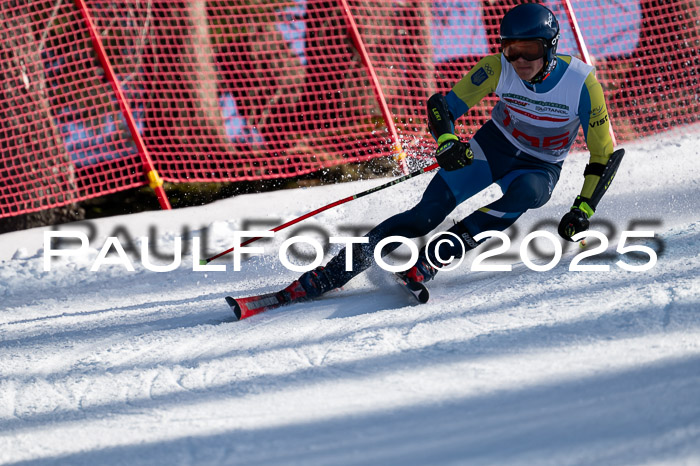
520 367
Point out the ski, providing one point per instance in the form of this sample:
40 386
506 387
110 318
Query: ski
249 306
245 307
416 289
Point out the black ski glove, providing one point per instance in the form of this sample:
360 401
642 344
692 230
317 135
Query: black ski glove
576 220
453 154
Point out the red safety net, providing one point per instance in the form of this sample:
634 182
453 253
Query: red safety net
242 90
61 136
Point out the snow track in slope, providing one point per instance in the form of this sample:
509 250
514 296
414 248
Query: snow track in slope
517 367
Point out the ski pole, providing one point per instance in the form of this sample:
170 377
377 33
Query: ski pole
329 206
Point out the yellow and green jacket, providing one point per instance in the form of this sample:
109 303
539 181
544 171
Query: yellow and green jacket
543 119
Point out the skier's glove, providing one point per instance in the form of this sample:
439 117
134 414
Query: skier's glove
576 220
453 154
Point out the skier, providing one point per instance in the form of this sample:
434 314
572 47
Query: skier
544 97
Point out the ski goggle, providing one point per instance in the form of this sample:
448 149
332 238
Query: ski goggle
530 50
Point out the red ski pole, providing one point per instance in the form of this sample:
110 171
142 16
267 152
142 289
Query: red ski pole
329 206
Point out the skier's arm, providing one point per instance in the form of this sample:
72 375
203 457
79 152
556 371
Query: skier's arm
451 154
596 129
595 122
481 80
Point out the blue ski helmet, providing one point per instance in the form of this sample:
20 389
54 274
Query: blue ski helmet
533 21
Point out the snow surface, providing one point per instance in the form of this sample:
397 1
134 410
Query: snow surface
520 367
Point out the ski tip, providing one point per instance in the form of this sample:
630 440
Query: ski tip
234 307
419 291
203 262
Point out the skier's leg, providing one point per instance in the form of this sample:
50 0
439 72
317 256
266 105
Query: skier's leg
527 182
437 202
526 189
442 195
446 190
